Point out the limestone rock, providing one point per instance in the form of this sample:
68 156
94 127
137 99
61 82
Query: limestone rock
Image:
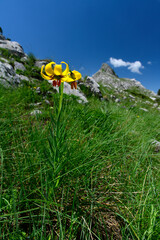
23 78
109 79
40 63
35 112
107 69
13 47
92 86
20 66
156 145
8 76
144 109
76 92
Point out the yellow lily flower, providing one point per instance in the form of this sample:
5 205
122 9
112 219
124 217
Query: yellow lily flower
54 72
74 75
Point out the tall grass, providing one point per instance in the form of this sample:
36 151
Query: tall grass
98 179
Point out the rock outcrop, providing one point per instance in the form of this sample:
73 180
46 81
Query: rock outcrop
12 46
8 76
16 67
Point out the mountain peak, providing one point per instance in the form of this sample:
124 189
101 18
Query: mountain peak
107 69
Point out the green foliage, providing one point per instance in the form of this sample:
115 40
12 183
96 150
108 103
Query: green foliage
158 93
33 72
103 182
31 59
1 31
8 55
136 92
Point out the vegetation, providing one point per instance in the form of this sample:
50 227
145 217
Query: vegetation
1 31
101 183
8 55
158 93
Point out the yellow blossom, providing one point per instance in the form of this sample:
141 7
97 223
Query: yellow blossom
55 73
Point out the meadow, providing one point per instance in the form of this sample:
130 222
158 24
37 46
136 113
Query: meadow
93 174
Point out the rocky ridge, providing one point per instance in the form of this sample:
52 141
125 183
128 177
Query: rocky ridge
16 67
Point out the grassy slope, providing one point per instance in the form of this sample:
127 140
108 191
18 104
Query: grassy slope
101 183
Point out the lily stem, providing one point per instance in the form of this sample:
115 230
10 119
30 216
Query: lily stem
60 100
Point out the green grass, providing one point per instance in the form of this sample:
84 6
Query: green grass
101 181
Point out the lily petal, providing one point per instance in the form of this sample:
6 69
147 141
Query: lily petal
57 69
67 79
49 69
66 71
77 75
43 75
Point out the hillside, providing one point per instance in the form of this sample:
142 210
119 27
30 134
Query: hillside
91 174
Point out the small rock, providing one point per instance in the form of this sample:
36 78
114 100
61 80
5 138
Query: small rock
35 104
38 90
47 102
117 100
144 109
19 66
49 93
155 105
35 112
153 98
156 145
132 97
112 96
22 77
40 63
124 98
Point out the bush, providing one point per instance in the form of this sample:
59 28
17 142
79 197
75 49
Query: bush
1 31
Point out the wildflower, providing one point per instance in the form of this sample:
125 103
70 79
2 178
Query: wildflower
55 73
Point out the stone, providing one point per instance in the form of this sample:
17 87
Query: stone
67 90
8 76
106 76
23 78
13 47
35 104
92 86
47 102
40 63
117 100
35 112
132 97
25 58
20 66
144 109
107 69
153 98
4 60
38 90
155 105
156 145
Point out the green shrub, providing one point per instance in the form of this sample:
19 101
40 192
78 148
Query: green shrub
1 31
31 59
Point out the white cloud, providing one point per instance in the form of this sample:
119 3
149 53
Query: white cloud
132 66
118 62
149 62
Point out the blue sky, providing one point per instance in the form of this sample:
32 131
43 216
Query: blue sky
87 33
